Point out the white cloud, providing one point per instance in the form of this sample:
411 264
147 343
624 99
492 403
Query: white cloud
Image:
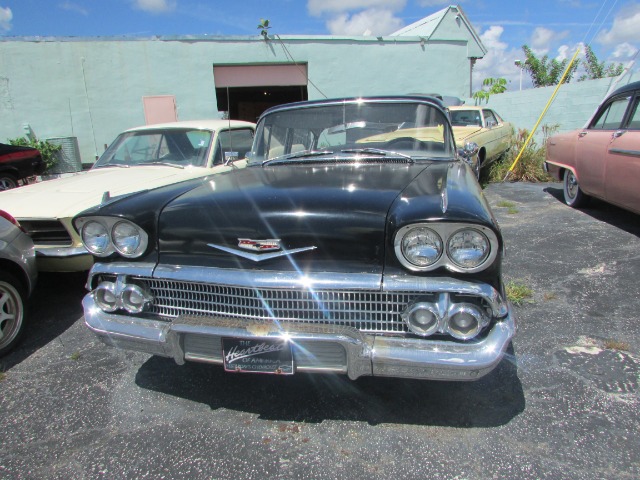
155 6
437 3
499 62
623 51
624 28
74 7
543 38
5 19
368 22
318 7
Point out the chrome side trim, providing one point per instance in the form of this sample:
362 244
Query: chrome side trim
630 153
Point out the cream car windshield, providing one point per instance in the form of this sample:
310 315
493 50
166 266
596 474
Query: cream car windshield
173 147
383 129
466 118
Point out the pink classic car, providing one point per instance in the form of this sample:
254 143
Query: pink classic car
602 159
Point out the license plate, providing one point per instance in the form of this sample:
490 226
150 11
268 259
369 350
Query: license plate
257 356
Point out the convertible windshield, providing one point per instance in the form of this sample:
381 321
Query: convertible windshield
380 128
178 147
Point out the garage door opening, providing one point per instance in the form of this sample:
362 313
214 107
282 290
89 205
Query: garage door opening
245 91
247 103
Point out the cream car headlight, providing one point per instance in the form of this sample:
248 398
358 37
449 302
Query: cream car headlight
418 247
95 237
127 239
468 248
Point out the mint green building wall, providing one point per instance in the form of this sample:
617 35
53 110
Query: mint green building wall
573 106
92 89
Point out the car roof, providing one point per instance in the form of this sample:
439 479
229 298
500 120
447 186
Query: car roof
627 88
333 101
207 124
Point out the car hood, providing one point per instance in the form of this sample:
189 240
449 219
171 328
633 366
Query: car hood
461 133
66 197
329 217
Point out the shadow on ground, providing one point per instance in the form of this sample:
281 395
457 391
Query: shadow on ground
605 212
54 306
492 401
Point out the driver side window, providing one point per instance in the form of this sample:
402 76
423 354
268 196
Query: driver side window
611 116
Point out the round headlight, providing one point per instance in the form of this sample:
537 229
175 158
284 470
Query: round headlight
95 237
126 238
421 246
468 248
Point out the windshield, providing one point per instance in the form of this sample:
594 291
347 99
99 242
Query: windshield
465 118
371 127
180 147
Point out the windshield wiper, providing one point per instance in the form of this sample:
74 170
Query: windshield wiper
301 154
116 165
377 151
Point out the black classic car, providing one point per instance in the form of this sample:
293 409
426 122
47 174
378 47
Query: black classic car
356 241
17 163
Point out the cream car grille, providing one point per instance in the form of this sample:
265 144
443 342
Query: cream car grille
47 232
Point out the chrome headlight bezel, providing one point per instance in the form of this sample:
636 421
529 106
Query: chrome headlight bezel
447 231
116 242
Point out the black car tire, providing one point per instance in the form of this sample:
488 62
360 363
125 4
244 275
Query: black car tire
573 194
7 181
12 311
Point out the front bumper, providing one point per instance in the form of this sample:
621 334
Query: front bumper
316 348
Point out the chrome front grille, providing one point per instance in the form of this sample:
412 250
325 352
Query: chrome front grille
367 311
47 232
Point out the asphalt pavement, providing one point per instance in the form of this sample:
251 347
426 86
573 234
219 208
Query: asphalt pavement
564 404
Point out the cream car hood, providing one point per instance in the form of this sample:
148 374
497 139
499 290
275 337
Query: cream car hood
462 133
66 197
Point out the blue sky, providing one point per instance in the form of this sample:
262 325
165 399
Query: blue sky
551 27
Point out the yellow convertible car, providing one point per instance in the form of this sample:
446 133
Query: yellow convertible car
484 127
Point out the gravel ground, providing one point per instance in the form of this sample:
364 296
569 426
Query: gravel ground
563 404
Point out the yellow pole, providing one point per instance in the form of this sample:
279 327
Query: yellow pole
535 127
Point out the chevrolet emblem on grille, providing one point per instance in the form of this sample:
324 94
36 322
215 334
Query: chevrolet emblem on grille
267 249
259 245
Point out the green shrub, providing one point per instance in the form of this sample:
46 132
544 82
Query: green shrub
529 168
49 151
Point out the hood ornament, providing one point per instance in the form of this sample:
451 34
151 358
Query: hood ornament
259 245
272 246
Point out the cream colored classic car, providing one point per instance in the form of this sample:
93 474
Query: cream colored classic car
139 159
484 127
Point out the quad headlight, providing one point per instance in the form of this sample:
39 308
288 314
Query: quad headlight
421 247
468 248
457 247
103 236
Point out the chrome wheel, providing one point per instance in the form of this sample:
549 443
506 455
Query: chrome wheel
573 194
11 313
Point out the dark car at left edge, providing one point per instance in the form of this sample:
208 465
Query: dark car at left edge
356 241
18 163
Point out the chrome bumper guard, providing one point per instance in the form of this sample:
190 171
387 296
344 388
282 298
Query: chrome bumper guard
317 348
